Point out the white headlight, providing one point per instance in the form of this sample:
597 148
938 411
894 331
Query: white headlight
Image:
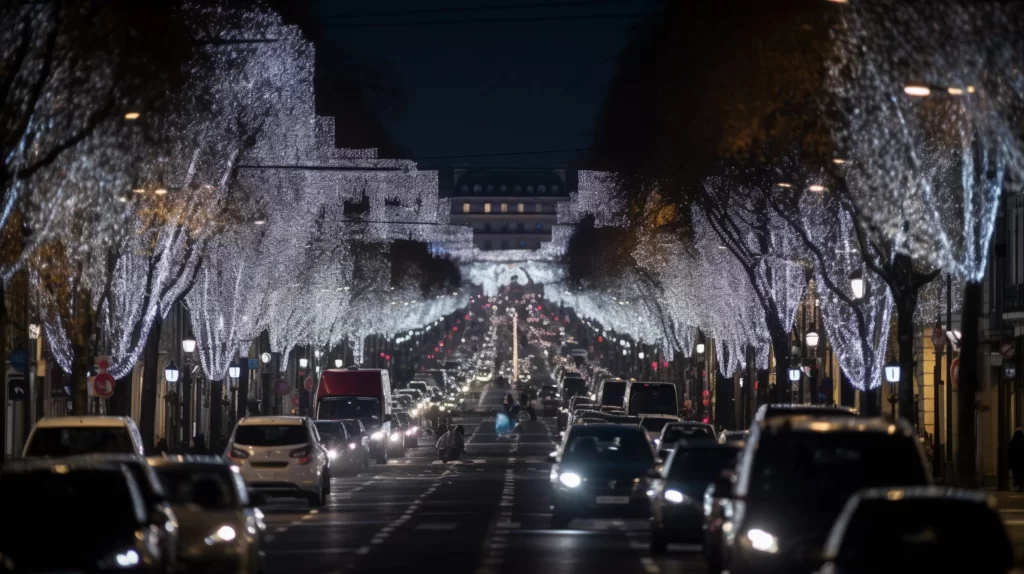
674 496
224 534
396 437
332 454
570 479
763 541
126 559
377 435
352 446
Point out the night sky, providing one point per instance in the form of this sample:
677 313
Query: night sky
531 82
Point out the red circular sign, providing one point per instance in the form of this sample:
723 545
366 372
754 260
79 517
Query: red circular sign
103 385
308 383
103 363
282 388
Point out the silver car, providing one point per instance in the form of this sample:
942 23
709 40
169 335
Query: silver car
281 456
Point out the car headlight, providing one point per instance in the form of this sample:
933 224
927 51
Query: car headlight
352 446
377 435
223 534
570 479
332 454
762 541
396 437
674 496
117 560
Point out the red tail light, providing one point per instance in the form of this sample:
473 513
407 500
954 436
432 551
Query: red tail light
302 454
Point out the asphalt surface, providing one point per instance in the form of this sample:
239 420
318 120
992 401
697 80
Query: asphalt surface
485 514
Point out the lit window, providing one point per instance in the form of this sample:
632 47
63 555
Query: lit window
522 208
465 208
487 208
529 189
538 208
504 208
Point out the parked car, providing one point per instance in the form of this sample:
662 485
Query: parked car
281 456
95 509
66 436
221 525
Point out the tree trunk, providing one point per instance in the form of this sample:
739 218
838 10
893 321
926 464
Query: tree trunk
781 350
81 361
150 380
906 307
242 408
966 463
186 406
216 413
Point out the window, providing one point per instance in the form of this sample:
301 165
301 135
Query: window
521 208
542 189
504 227
487 245
540 227
538 208
519 189
504 244
285 435
465 189
521 227
465 208
504 208
487 227
490 189
538 245
504 188
554 189
487 208
522 244
477 188
529 189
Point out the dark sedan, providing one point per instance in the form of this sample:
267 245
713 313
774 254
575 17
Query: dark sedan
601 470
677 501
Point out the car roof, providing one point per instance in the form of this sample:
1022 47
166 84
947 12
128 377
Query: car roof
59 465
837 424
613 427
781 409
707 445
86 421
254 421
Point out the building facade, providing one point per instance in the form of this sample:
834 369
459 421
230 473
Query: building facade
507 208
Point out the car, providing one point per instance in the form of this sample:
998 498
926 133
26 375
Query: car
407 425
644 398
600 470
794 476
767 411
399 440
674 432
358 436
611 392
550 399
221 526
730 436
65 436
281 456
918 529
159 511
653 425
677 500
344 454
95 509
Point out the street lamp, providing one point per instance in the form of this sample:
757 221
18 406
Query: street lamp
318 353
892 371
188 345
303 362
700 348
338 363
794 374
857 284
812 339
265 357
171 373
640 355
234 372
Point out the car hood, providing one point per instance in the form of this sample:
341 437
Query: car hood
607 471
195 523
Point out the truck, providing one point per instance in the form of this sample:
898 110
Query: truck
363 394
651 398
611 393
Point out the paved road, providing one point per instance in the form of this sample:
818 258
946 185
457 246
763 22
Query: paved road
486 514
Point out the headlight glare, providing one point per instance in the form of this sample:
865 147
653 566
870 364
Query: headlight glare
762 541
674 496
570 479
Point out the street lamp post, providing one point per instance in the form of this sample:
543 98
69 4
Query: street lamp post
188 346
265 359
892 375
812 338
174 398
234 372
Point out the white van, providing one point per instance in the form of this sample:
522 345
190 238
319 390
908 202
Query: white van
66 436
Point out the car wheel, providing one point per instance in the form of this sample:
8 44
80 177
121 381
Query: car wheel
658 542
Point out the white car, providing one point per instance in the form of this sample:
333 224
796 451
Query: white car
282 456
66 436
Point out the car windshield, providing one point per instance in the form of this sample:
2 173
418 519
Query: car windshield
607 447
572 386
349 408
330 431
701 465
207 489
613 393
925 535
352 427
785 411
67 441
676 433
815 467
654 424
653 399
101 495
270 435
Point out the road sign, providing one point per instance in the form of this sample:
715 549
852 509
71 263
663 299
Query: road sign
103 385
103 362
954 372
254 364
19 360
308 383
282 388
1007 349
17 388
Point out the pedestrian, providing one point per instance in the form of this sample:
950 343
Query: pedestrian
1017 459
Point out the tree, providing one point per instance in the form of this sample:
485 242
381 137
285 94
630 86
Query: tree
927 174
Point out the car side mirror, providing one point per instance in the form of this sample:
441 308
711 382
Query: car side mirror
257 499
